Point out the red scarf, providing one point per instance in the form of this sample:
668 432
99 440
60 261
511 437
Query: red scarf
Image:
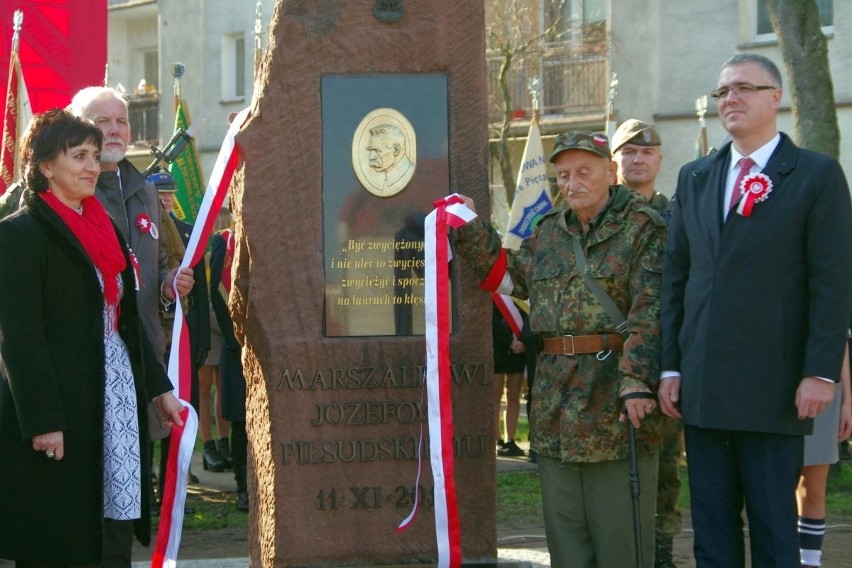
96 233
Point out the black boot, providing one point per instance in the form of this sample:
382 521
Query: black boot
211 459
663 552
242 488
225 451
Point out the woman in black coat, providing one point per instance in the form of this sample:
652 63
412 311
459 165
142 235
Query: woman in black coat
76 371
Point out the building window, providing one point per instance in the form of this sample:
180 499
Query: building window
763 24
572 17
151 70
233 67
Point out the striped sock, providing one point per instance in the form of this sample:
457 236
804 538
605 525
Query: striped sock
811 533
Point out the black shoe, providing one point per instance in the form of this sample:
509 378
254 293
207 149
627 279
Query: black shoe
225 451
511 449
210 458
242 501
501 443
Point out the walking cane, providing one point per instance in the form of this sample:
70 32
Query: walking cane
634 478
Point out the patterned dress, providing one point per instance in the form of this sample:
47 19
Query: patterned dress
122 462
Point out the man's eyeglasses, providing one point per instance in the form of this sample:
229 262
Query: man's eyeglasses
740 90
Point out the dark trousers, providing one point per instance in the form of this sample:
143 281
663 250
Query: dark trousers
239 453
118 545
729 471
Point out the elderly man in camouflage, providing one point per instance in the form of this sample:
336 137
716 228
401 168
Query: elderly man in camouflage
585 366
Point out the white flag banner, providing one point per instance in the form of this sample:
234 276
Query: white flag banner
532 192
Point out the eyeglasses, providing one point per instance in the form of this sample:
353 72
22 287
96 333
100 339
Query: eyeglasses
740 90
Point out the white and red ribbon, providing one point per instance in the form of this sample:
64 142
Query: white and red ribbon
180 364
754 189
449 212
510 312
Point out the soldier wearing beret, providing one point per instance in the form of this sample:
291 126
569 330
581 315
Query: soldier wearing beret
636 149
638 154
586 365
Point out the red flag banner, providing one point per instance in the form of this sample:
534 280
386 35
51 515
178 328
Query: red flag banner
63 47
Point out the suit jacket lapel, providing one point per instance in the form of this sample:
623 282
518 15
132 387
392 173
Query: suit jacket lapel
782 162
710 185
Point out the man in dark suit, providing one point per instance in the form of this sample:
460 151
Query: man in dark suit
756 302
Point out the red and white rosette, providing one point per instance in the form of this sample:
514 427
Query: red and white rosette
146 226
449 212
754 188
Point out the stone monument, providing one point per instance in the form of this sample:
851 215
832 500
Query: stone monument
365 112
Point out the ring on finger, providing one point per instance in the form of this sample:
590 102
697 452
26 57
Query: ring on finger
49 453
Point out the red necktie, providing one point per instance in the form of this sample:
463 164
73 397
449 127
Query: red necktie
745 165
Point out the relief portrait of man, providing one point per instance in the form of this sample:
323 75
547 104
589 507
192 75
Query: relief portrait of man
384 152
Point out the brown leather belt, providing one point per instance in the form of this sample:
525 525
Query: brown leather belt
580 344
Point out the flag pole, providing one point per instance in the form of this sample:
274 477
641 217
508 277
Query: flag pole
258 35
17 22
610 107
700 111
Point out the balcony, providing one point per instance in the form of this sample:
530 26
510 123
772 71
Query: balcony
143 111
573 80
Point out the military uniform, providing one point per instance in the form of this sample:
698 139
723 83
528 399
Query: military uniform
667 521
575 399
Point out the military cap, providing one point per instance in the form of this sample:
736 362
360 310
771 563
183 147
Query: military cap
594 142
163 181
635 132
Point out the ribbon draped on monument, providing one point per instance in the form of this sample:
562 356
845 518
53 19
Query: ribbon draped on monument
449 212
180 370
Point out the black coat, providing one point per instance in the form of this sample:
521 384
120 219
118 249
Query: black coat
230 364
52 379
754 304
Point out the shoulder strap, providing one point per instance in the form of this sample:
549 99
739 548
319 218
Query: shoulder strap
598 292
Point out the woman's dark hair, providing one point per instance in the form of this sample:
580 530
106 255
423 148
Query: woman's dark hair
48 134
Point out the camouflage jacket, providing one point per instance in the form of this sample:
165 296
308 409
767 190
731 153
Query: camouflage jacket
575 408
658 201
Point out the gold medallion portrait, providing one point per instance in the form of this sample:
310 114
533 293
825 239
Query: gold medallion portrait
384 152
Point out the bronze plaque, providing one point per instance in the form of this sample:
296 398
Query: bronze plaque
374 210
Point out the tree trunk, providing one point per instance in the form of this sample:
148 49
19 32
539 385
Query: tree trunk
805 53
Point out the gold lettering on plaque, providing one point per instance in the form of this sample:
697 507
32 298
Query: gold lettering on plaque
384 152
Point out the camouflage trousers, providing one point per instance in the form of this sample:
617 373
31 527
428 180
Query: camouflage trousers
667 521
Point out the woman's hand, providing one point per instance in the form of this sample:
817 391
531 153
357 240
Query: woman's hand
517 346
170 409
53 442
